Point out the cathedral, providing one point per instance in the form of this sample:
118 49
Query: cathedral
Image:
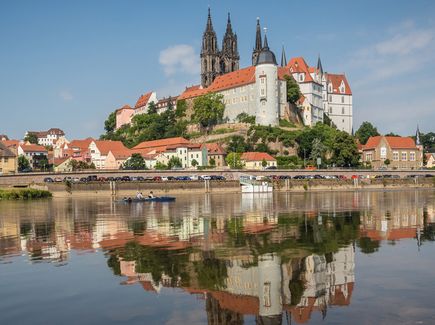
213 61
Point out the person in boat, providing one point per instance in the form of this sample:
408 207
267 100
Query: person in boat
139 195
151 195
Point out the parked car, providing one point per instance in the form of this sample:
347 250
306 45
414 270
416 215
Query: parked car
83 180
76 180
118 179
157 178
92 178
140 179
48 180
125 179
270 167
182 178
205 177
429 175
102 179
67 179
58 179
110 179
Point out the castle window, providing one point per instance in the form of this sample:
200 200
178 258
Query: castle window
330 98
262 92
342 110
342 99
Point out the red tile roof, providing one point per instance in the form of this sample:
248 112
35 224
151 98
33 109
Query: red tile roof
11 143
298 65
393 142
82 144
143 100
104 146
125 107
215 149
161 143
122 154
58 161
336 80
257 156
33 148
234 79
192 92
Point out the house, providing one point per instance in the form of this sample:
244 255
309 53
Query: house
123 115
255 160
47 138
116 158
217 153
99 149
63 164
78 150
400 152
12 145
32 152
8 160
187 153
430 160
164 103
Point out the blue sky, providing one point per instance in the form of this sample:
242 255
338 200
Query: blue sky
68 64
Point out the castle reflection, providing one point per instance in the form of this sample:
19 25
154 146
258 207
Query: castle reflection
275 258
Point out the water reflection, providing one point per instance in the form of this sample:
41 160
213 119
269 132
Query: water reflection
277 258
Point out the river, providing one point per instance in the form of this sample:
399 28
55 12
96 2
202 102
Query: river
315 258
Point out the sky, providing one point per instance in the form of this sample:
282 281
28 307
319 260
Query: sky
68 64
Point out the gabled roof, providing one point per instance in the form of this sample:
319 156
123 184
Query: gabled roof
125 107
393 142
104 146
161 143
82 144
11 143
257 156
33 148
61 160
233 79
335 80
143 100
215 149
298 65
192 92
122 154
5 152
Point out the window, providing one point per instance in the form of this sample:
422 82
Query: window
301 77
330 110
262 81
412 156
395 156
404 156
330 98
383 152
342 110
342 99
369 157
5 160
262 92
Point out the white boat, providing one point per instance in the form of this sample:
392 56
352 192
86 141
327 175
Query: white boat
250 184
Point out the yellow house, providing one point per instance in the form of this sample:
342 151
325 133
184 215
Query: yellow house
256 160
8 160
62 165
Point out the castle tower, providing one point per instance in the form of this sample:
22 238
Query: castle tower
283 58
258 43
266 76
230 54
210 63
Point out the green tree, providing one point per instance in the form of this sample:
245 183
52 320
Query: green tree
174 162
234 160
245 118
345 151
152 108
237 143
31 137
264 163
293 91
208 110
387 162
212 162
160 166
110 123
194 163
23 163
41 162
181 109
318 150
135 162
365 131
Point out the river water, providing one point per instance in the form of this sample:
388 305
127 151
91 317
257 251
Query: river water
321 258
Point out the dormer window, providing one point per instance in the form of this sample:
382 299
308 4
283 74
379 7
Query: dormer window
301 77
330 88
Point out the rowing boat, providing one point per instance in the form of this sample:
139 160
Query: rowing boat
150 199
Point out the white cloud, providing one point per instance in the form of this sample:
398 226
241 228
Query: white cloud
66 95
179 58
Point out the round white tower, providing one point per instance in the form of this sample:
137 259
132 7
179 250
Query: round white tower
266 76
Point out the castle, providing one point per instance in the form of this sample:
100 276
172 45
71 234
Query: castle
260 89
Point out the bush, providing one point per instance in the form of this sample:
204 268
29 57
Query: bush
24 194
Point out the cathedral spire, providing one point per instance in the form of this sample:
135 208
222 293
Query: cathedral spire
283 58
209 23
417 137
266 44
258 43
229 60
319 66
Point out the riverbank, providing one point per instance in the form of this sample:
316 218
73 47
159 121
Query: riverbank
121 189
24 194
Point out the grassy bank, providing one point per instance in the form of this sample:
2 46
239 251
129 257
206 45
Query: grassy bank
23 194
